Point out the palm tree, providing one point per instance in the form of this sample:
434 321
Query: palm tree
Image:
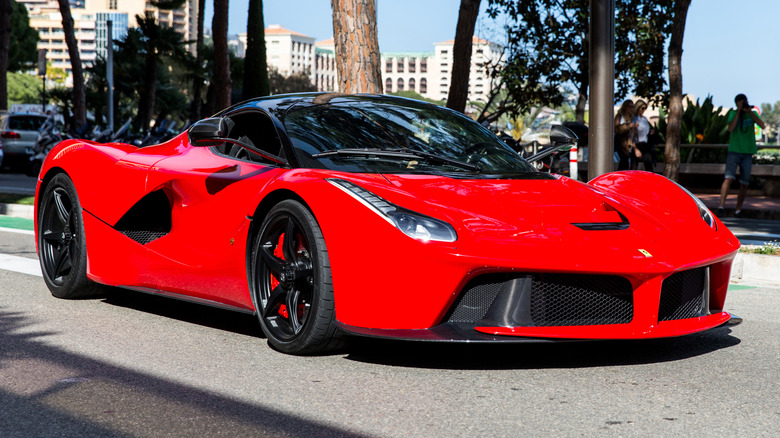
79 93
159 41
256 82
221 80
461 55
197 71
5 44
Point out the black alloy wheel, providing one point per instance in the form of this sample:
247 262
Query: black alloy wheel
291 282
61 244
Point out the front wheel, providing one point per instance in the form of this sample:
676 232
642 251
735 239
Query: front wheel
292 284
62 247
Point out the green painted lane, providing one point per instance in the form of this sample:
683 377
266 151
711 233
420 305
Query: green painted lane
16 222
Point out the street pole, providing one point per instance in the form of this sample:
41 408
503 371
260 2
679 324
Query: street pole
110 74
602 87
42 74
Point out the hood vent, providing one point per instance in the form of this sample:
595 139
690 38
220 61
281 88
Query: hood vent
609 213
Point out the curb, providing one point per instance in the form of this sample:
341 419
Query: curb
755 267
17 210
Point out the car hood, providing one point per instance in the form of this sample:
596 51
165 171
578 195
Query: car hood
573 223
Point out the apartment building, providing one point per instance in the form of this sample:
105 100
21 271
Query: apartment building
90 19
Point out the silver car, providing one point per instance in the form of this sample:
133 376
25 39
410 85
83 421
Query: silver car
18 134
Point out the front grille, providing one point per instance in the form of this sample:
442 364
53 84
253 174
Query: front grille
571 299
683 295
548 300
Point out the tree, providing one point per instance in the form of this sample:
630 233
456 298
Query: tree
158 41
292 84
548 50
23 53
461 55
255 66
674 123
357 46
5 42
79 92
197 71
221 79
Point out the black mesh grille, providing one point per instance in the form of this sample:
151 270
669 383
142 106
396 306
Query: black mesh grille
570 299
556 299
474 303
682 295
143 237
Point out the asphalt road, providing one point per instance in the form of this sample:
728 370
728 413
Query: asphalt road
138 365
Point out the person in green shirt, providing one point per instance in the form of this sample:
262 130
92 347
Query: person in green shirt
742 146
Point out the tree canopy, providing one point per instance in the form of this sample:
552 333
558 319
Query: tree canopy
22 52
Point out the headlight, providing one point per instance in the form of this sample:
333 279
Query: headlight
705 212
414 225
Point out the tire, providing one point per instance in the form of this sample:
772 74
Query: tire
294 274
61 242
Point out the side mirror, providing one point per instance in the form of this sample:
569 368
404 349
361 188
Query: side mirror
562 138
208 132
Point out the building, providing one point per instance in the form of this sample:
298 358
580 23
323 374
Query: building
483 53
406 72
90 18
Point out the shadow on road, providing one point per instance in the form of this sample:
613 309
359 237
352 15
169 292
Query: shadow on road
539 355
456 355
46 391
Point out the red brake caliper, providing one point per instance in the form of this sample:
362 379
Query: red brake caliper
279 252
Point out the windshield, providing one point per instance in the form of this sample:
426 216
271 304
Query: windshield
428 139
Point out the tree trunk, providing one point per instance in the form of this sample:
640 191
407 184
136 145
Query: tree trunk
148 94
461 55
5 46
255 65
195 110
584 84
79 94
674 122
219 26
357 46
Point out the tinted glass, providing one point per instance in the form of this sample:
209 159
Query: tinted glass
395 124
25 123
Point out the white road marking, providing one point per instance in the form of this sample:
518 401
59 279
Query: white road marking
17 231
20 264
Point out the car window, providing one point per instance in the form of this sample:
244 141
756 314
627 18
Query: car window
398 125
254 128
25 123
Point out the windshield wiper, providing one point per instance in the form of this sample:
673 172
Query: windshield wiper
404 154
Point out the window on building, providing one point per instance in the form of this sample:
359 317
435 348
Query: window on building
423 86
411 84
399 65
444 52
400 84
388 85
112 4
424 65
412 65
389 66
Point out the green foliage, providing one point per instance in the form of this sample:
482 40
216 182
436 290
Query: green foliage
409 94
548 49
701 123
291 84
24 88
768 248
22 53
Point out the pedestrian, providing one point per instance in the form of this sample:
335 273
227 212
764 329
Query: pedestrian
624 133
742 146
642 134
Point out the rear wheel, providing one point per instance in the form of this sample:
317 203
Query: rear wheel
292 283
62 249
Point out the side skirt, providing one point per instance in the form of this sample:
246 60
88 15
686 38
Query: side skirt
189 299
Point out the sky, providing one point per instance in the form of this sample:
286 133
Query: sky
730 47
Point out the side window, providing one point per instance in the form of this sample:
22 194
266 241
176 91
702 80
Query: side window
254 128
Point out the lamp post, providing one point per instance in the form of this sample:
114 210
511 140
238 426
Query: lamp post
42 74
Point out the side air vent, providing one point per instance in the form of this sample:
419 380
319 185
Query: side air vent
148 220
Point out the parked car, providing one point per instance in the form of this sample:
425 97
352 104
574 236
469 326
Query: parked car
329 215
19 133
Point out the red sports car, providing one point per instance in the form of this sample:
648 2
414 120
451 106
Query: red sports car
328 215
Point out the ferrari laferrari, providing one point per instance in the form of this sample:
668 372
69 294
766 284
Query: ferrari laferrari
331 215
